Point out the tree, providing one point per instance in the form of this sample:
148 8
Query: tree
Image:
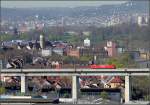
141 87
2 90
116 62
104 95
86 58
6 37
55 57
122 61
24 36
70 60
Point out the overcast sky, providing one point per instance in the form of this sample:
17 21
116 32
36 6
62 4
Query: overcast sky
28 4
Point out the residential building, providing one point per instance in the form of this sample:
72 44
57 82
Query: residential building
116 82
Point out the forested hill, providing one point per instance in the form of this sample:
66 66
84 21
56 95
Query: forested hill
56 12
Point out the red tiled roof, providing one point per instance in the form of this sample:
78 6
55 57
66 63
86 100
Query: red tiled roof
117 79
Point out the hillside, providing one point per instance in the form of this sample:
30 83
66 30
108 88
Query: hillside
131 7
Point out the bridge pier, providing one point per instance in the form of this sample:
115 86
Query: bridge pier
23 83
127 89
75 86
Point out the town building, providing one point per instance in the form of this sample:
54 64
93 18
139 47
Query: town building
142 21
111 48
46 52
116 82
87 42
98 52
73 52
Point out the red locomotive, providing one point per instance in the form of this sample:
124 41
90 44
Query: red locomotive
94 66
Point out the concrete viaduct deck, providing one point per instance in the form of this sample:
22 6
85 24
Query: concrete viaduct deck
75 73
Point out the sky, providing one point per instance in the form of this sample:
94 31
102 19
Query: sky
29 4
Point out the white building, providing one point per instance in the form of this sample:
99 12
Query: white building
87 42
47 52
142 21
